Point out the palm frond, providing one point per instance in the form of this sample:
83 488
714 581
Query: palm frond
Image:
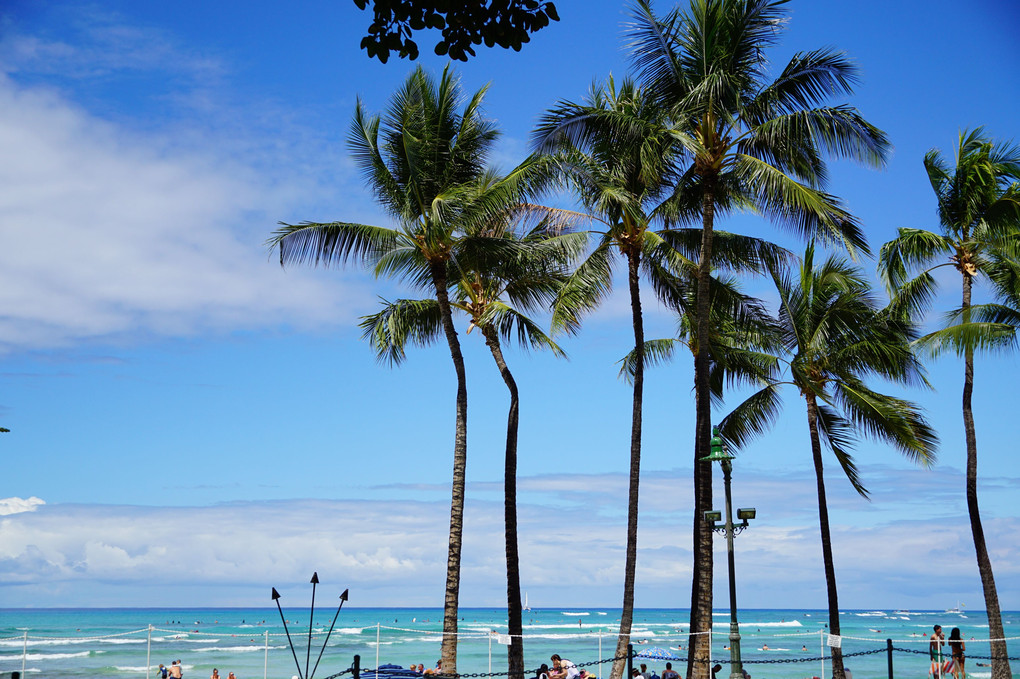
837 433
753 417
330 244
399 323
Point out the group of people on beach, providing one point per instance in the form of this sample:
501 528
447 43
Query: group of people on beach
561 669
420 668
175 671
940 666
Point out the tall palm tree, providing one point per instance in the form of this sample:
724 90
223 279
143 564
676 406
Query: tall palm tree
496 279
753 143
979 216
425 162
834 339
618 153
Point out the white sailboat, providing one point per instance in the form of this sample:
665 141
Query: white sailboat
526 606
958 609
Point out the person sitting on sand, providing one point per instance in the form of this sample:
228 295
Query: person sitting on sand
562 668
438 669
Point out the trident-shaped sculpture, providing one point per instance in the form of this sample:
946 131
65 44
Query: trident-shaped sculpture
311 617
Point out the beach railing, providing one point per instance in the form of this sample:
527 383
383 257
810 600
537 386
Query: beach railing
276 655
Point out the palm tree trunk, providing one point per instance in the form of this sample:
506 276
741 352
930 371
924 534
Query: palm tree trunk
699 650
515 623
448 654
1000 656
627 614
823 525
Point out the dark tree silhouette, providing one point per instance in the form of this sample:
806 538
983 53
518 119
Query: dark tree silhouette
506 23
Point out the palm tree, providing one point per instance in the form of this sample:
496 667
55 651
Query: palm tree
979 216
618 153
496 278
834 338
425 162
753 143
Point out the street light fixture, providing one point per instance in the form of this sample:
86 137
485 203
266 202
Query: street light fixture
719 454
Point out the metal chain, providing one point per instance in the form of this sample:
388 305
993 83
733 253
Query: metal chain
726 661
787 661
468 675
969 656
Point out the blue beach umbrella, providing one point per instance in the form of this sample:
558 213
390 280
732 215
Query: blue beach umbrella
656 653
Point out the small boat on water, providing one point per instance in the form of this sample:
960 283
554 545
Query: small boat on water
958 609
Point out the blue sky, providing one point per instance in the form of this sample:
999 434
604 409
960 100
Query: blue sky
191 424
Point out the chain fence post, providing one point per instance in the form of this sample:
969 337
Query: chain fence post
356 667
148 654
630 660
24 653
265 663
888 652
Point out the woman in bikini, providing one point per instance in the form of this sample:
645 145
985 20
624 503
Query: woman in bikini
958 647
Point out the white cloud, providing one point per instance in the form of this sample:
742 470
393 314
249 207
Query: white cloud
393 552
16 505
110 232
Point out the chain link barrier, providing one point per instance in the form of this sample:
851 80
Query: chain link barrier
789 661
968 656
471 675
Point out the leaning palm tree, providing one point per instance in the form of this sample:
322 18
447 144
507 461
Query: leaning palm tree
424 161
618 153
497 278
753 143
835 338
979 216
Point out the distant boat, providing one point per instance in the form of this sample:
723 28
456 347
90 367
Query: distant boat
958 608
526 606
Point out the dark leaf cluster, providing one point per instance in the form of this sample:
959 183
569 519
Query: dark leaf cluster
463 24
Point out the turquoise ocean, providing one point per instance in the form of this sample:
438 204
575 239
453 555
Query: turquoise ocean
127 642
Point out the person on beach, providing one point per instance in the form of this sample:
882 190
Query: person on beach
562 668
215 674
175 670
935 645
957 646
543 672
163 671
644 671
669 673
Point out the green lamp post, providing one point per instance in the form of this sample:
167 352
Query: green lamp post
718 454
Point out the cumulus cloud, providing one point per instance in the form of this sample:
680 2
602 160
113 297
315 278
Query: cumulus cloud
16 505
393 552
109 232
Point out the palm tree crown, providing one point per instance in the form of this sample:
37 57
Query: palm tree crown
979 215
